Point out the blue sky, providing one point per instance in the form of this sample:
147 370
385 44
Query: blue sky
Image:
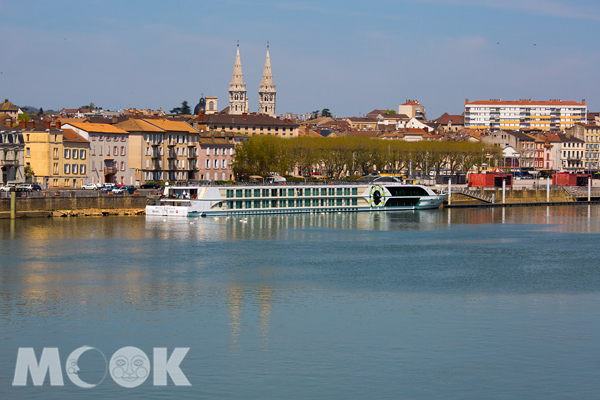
348 56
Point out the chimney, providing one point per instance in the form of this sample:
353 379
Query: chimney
467 101
200 117
244 115
32 122
48 125
319 131
9 122
155 115
137 115
23 124
583 102
58 124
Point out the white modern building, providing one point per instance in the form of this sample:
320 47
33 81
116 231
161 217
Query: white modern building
550 115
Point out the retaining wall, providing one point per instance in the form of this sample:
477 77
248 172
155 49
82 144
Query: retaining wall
75 203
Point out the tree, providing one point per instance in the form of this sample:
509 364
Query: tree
390 112
184 109
315 114
326 113
92 106
28 173
23 117
41 112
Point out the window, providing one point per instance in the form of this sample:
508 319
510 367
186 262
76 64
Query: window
75 154
55 169
208 151
122 165
67 153
207 164
216 165
116 151
74 168
122 150
67 168
82 154
108 150
28 152
224 164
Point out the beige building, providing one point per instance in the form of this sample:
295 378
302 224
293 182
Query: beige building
246 124
76 152
44 152
109 152
162 149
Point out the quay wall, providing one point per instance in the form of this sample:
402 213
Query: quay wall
75 203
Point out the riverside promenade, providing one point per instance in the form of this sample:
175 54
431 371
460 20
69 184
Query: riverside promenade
523 193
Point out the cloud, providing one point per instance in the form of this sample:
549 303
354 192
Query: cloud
551 8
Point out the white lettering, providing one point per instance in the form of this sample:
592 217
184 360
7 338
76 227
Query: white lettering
26 361
162 367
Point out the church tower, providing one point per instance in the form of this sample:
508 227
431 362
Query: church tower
266 91
238 103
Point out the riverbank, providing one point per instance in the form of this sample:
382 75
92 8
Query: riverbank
75 213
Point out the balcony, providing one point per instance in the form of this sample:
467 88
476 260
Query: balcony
110 170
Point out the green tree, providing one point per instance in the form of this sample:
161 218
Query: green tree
185 108
41 112
28 173
326 113
92 106
23 117
390 112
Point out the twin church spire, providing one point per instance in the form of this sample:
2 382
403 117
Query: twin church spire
238 101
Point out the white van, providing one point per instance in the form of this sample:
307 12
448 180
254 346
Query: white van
275 179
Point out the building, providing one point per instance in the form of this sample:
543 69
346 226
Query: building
75 159
567 152
238 101
216 154
590 135
362 123
449 123
162 149
109 148
246 124
526 115
412 109
266 90
12 147
58 157
9 110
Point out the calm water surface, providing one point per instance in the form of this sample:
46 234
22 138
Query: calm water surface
469 304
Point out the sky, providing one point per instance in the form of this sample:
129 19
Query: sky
348 56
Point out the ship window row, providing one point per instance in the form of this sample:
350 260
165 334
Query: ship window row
291 203
294 192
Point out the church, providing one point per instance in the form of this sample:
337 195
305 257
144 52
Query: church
238 100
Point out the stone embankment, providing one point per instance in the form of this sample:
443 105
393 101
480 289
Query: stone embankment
74 213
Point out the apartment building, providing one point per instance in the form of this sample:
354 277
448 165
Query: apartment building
162 149
58 157
109 149
552 115
246 124
11 154
590 135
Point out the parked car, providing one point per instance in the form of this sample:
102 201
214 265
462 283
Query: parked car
36 187
130 188
24 187
7 187
89 186
150 186
118 190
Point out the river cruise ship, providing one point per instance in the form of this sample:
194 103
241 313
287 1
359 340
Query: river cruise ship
380 194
